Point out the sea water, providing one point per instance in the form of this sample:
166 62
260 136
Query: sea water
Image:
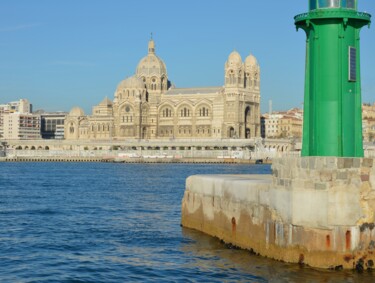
105 222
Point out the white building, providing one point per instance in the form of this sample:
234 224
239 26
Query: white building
283 124
21 126
20 106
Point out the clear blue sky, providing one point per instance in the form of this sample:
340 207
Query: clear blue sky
61 54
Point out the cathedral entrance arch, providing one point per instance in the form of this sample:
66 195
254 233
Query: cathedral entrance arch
144 133
248 133
231 133
247 122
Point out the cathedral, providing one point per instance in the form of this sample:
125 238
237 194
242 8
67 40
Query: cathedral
147 106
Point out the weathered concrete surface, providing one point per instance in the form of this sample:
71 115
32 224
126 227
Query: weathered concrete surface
313 210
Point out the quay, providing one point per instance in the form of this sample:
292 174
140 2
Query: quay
131 160
245 151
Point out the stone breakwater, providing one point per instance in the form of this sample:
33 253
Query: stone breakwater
317 211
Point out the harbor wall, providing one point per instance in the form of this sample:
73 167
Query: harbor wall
317 211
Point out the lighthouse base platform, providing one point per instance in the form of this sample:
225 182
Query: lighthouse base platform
317 211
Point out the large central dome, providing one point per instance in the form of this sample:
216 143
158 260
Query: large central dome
151 65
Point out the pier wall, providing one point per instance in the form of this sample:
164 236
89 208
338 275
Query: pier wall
312 210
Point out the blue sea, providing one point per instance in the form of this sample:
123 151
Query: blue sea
105 222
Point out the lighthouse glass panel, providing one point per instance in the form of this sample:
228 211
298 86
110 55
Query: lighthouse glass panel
312 4
329 3
348 4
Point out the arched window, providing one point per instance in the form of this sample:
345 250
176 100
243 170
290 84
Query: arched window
203 112
153 84
185 112
232 79
71 129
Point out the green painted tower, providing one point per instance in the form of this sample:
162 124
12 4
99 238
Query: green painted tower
332 103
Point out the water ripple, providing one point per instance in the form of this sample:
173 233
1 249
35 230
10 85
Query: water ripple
74 222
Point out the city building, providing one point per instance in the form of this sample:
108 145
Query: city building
52 125
21 126
283 124
20 106
147 106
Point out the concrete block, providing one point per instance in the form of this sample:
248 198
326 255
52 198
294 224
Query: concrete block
356 162
367 162
320 163
304 173
325 176
321 186
365 178
342 175
348 162
331 162
340 163
309 185
304 163
312 163
297 184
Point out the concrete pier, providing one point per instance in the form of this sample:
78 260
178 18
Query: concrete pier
317 211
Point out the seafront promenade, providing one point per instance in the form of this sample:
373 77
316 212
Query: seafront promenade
148 151
153 151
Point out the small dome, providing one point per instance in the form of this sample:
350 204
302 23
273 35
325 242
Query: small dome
251 61
131 82
235 58
151 65
76 111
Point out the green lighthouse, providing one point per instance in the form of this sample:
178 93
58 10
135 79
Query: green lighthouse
332 103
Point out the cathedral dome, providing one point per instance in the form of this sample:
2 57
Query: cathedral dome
151 65
234 60
251 61
131 82
76 112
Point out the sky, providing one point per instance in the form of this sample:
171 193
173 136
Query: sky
67 53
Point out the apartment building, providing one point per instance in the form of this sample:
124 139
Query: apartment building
21 126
